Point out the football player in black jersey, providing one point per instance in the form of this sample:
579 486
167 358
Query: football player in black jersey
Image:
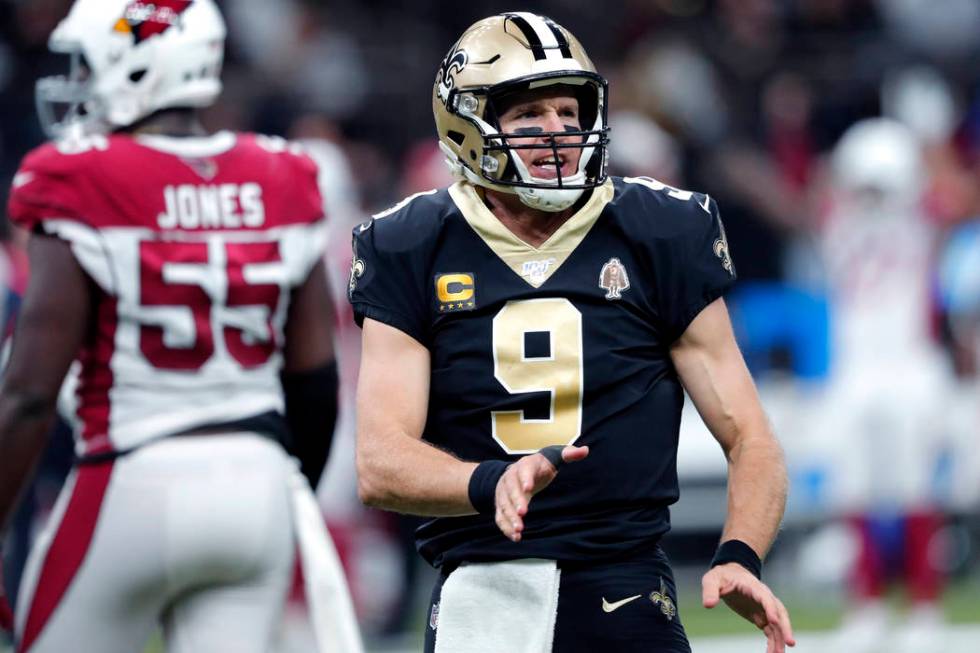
528 337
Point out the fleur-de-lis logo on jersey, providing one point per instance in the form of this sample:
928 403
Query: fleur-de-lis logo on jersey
720 249
454 63
663 599
356 272
613 278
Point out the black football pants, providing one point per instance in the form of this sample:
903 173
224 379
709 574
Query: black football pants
627 605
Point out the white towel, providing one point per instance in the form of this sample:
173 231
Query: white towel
499 607
331 610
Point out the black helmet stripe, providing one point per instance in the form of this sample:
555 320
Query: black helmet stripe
546 39
533 40
560 37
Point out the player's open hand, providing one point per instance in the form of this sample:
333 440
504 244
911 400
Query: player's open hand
752 599
522 480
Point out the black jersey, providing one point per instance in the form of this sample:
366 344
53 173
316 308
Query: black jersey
566 343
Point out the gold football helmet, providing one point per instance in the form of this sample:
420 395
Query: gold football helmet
502 55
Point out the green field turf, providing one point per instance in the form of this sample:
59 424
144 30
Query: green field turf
961 605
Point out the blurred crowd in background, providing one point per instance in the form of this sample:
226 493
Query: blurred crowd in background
841 139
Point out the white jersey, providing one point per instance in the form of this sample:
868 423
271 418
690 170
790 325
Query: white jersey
878 271
194 246
883 412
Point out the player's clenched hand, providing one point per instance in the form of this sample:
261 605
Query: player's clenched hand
752 600
522 480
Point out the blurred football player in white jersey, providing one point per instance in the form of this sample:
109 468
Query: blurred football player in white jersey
888 377
183 270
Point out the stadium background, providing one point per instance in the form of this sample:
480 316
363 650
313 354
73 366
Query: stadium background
744 99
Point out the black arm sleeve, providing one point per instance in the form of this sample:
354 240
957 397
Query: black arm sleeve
311 413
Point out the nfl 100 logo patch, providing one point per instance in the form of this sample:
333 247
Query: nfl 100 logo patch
537 271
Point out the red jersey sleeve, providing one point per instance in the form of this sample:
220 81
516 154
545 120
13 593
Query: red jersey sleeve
289 176
46 186
309 202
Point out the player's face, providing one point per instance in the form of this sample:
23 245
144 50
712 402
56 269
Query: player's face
535 113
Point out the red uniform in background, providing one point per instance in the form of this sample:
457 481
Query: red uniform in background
193 247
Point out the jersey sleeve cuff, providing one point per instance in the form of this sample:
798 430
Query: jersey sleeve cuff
695 309
385 316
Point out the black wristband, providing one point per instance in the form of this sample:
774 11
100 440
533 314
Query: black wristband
740 552
483 485
553 455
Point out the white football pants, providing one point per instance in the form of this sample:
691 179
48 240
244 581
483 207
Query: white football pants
193 533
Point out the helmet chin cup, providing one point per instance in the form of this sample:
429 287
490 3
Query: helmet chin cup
548 199
537 194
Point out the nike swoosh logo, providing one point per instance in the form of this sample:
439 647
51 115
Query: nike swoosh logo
609 607
367 225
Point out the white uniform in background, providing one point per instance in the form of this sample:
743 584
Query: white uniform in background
889 379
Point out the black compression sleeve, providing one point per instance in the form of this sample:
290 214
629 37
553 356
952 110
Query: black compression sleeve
311 412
